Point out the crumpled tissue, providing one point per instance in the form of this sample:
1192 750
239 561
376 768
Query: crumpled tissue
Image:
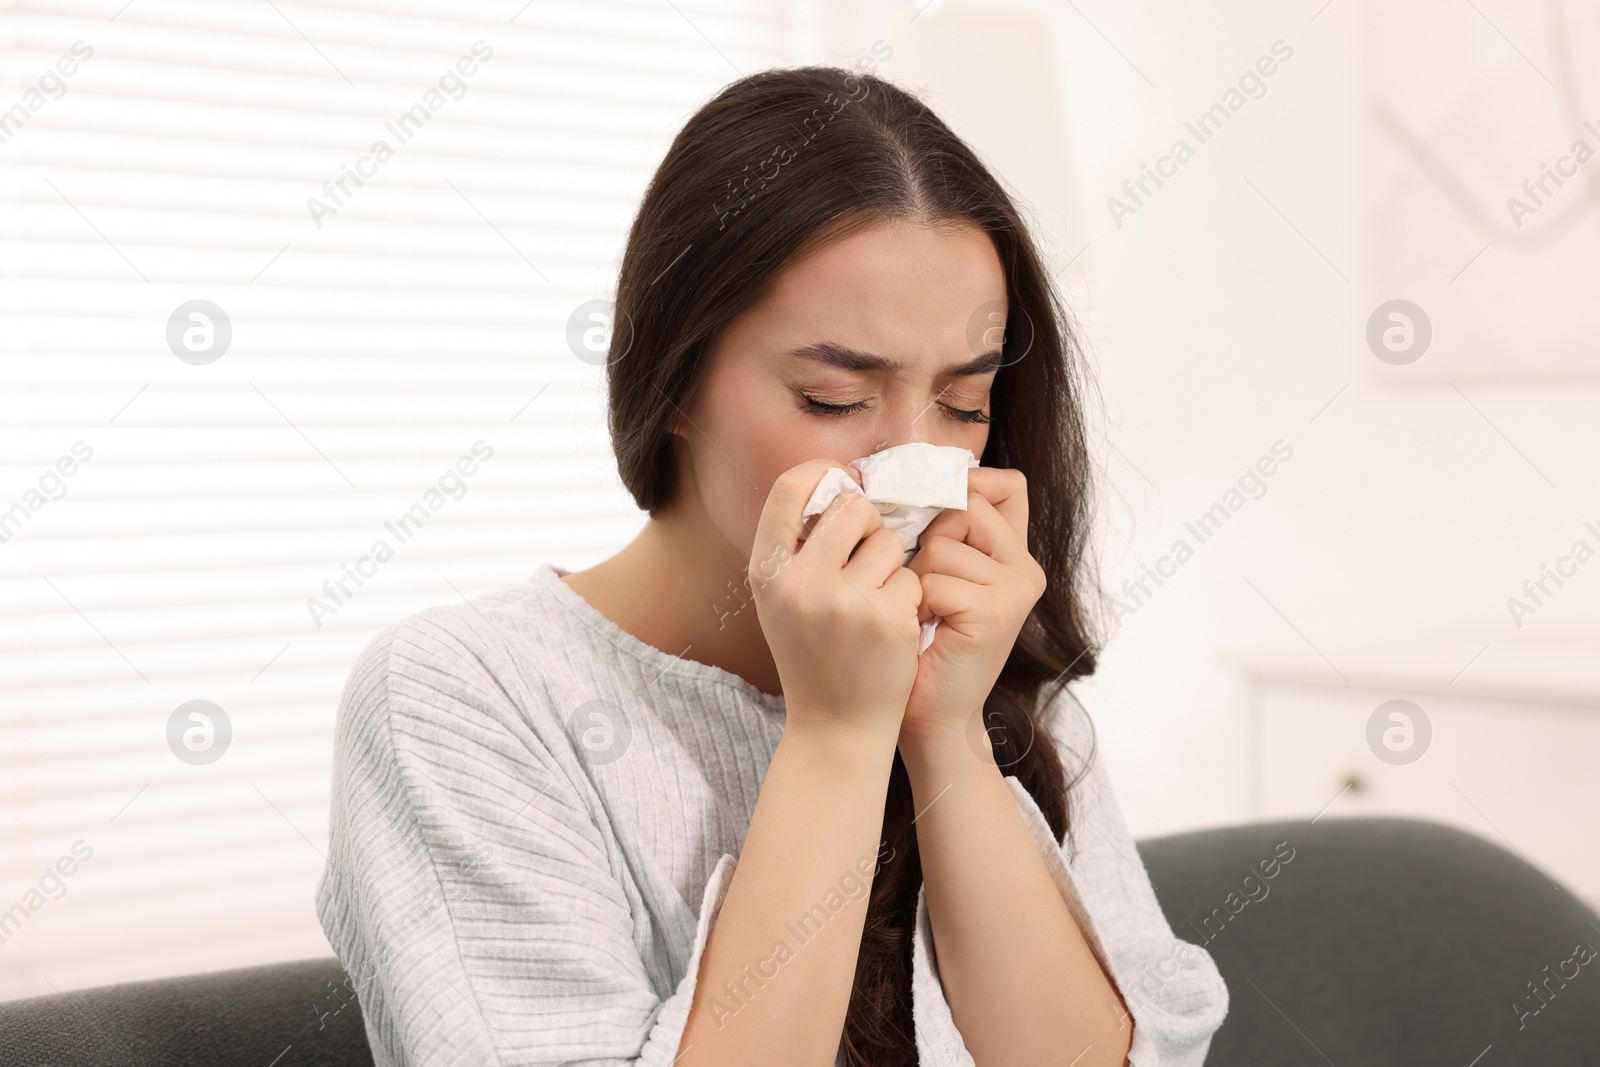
909 484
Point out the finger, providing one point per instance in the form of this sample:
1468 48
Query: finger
903 590
778 529
990 533
894 599
848 519
949 596
981 526
1006 490
875 559
944 555
951 523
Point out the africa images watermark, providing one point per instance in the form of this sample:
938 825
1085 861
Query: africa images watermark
750 185
1536 592
410 522
853 886
1581 154
52 885
51 485
1252 485
742 594
52 85
1204 127
1398 732
1541 994
1252 889
403 128
199 732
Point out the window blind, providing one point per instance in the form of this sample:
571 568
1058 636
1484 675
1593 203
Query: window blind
281 282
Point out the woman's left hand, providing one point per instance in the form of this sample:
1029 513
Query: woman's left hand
977 573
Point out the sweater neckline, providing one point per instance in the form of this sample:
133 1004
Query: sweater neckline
658 662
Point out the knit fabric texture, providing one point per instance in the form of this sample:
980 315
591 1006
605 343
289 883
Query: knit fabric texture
535 818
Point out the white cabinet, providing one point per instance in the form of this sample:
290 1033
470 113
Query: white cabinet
1519 768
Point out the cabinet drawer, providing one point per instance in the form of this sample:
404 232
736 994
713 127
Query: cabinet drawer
1521 772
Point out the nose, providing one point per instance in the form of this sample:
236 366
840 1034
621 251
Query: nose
905 419
911 423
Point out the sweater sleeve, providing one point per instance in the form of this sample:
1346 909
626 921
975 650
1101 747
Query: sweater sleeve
481 914
1173 991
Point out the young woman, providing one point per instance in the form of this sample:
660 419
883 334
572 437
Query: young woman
539 795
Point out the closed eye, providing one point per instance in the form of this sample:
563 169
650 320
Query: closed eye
818 407
964 415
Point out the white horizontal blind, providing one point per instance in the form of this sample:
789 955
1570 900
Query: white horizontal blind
165 521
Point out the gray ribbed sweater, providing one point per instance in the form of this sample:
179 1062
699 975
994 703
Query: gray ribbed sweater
534 821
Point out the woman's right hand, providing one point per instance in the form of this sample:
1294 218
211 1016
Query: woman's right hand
839 610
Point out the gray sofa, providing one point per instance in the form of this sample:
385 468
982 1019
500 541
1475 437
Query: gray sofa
1375 942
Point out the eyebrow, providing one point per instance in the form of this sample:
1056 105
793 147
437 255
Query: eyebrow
851 359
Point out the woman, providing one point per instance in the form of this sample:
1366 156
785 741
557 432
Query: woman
539 795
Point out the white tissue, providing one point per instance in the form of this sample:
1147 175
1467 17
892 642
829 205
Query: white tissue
909 484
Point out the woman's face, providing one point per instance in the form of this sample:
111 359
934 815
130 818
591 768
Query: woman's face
890 325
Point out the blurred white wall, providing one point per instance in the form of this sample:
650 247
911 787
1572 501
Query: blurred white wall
1228 312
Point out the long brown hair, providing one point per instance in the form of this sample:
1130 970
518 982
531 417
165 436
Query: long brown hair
774 165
